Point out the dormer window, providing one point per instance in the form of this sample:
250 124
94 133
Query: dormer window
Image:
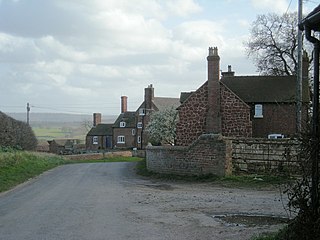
258 111
122 124
142 111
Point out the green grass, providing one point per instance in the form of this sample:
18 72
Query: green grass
17 166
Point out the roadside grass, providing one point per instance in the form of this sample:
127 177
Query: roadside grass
245 181
18 166
279 235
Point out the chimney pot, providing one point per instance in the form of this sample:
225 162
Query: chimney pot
96 119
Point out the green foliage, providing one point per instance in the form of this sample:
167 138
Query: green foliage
162 127
16 134
19 166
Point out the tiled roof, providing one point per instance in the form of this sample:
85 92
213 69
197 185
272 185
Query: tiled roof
162 102
101 129
128 118
266 88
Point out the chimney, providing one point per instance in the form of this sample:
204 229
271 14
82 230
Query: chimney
213 120
230 73
305 66
148 97
124 104
96 119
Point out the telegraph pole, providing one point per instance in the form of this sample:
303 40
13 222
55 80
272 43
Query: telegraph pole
299 74
28 110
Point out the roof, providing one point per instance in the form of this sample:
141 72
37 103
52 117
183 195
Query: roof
163 102
184 96
312 20
101 129
266 89
128 118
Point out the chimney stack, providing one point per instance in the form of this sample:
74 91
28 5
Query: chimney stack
124 104
148 97
213 120
230 73
96 119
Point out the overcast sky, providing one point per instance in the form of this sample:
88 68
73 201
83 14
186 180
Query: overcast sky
81 56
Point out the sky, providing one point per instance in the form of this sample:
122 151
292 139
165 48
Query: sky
80 56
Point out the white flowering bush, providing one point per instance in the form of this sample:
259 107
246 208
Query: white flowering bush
162 127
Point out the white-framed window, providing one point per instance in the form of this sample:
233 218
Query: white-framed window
133 131
258 111
142 111
139 125
95 140
121 139
122 124
139 139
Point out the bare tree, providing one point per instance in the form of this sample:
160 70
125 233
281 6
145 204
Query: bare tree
273 44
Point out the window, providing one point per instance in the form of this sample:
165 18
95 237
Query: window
122 124
139 125
139 139
95 140
121 139
142 111
133 132
258 111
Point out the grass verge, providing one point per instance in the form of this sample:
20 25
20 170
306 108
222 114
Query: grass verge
246 181
18 166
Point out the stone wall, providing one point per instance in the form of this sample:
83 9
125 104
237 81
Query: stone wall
192 117
98 156
235 115
257 155
214 154
209 154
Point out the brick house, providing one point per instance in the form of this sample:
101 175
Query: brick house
148 106
238 106
124 130
100 135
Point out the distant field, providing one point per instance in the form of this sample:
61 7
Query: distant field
49 133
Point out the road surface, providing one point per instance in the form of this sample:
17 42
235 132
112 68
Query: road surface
99 201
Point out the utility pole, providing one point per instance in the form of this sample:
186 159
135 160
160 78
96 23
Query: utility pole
299 74
28 110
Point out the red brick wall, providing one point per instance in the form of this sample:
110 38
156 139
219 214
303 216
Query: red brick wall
235 115
129 138
277 118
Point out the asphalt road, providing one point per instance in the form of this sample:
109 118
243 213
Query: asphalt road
102 201
81 201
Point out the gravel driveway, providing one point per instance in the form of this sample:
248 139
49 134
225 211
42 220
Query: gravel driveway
108 201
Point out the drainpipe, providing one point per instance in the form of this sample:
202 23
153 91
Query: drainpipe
315 123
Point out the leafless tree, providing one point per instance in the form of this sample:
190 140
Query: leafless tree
273 44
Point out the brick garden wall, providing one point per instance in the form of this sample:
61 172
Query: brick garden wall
214 154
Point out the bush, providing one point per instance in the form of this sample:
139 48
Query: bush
16 134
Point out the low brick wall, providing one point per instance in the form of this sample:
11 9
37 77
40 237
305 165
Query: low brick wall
214 154
209 154
98 156
258 155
